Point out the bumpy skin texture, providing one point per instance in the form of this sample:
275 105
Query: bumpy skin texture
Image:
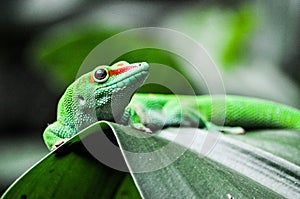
101 94
105 93
229 110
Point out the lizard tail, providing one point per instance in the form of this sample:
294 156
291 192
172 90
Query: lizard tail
249 113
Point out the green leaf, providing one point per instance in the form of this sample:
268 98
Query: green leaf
199 165
60 54
215 175
282 143
71 172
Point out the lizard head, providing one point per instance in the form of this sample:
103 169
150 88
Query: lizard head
108 89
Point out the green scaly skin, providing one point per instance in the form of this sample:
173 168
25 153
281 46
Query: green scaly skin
229 110
88 100
92 98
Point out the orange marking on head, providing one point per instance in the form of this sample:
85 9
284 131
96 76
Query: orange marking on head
120 64
91 79
121 70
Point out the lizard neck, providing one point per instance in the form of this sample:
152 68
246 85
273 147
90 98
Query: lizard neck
112 101
76 108
65 112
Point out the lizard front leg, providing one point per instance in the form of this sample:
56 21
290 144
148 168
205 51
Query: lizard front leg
56 134
134 118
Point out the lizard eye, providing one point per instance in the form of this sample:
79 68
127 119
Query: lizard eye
100 75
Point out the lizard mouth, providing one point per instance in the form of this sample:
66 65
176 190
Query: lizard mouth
126 86
132 80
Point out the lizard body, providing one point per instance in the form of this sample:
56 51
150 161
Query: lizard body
105 94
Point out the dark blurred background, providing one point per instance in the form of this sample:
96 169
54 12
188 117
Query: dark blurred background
255 44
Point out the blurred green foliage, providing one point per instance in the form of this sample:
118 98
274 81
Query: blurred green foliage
226 32
62 58
61 53
240 25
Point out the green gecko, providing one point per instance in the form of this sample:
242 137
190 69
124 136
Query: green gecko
108 93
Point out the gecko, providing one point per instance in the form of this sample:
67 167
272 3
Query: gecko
109 93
